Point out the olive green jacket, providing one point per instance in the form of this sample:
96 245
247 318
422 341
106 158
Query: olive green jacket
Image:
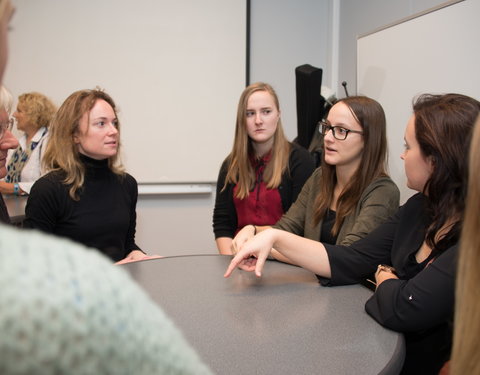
377 203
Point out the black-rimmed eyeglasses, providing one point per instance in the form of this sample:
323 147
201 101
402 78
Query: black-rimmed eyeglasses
339 132
7 125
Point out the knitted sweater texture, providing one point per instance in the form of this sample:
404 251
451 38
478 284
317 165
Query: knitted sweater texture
65 309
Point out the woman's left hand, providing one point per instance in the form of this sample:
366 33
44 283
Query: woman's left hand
136 255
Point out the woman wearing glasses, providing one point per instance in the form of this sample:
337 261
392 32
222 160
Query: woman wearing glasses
414 253
34 113
350 194
263 174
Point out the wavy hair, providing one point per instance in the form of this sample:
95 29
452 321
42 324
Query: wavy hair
370 116
467 295
443 128
62 153
38 108
240 170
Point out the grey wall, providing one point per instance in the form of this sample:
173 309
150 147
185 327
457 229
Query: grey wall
285 34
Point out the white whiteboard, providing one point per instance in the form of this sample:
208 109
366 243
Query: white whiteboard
175 69
436 52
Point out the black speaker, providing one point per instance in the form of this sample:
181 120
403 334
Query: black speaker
310 103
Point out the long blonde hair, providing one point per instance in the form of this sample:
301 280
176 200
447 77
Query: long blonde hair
62 153
465 355
240 170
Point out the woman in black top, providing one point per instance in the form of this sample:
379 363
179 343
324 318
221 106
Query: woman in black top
87 196
413 253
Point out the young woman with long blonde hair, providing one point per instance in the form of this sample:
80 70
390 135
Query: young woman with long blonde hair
263 174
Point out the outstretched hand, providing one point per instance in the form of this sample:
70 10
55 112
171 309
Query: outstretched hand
253 253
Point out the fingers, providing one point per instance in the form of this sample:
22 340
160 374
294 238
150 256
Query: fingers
248 265
260 262
233 264
234 247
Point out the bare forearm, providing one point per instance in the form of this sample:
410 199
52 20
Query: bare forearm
9 188
303 252
6 187
224 245
280 257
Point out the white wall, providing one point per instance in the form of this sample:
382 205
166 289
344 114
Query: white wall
174 70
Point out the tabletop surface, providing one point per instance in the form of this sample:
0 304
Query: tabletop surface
282 323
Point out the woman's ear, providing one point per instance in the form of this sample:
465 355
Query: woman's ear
431 162
76 138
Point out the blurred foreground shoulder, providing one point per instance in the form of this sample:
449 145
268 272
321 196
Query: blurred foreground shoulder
80 314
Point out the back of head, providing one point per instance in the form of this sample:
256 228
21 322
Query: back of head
39 109
66 309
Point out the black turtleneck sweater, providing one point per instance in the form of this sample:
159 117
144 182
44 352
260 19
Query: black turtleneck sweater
104 217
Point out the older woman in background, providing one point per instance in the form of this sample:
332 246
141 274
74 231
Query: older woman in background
34 113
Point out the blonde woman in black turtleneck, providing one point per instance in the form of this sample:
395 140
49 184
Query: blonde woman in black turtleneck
86 196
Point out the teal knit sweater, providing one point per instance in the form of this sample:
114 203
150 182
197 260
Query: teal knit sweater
65 309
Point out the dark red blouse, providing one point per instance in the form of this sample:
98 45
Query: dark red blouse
262 206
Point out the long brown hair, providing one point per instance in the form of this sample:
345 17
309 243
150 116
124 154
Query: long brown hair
443 126
62 153
371 117
240 170
467 295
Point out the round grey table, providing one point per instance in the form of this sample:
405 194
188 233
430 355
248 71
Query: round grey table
282 323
